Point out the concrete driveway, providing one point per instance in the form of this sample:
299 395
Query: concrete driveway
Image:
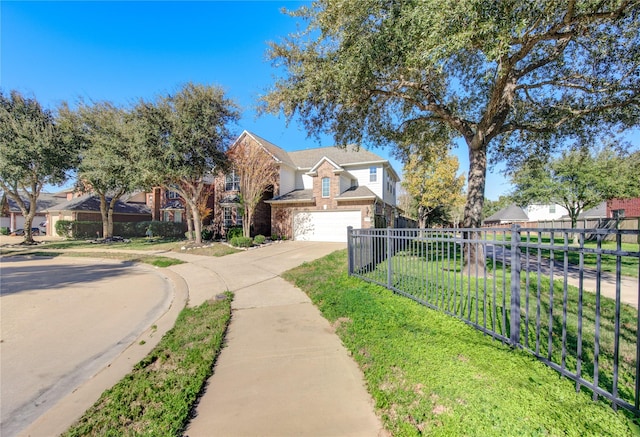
62 321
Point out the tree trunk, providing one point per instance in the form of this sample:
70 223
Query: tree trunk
112 206
422 217
197 224
473 253
189 218
104 212
28 220
246 222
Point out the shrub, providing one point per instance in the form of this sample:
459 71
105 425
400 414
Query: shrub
259 239
236 231
207 234
4 231
79 229
63 228
241 241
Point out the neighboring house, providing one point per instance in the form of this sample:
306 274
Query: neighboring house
597 212
510 214
11 216
317 195
539 212
621 208
87 208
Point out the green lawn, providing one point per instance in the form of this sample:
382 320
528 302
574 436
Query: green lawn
431 374
156 398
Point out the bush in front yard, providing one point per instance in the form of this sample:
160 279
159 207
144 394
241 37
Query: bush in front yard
259 239
234 232
241 241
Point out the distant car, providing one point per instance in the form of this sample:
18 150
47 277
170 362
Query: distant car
20 232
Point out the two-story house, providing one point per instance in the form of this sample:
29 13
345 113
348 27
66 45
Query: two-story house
318 192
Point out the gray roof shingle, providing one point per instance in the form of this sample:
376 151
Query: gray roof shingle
306 159
512 213
357 193
91 202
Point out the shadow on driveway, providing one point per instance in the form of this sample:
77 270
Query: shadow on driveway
19 274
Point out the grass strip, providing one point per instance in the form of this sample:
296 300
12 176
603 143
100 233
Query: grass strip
157 397
431 374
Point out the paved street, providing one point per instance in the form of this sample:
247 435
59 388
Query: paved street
62 321
628 286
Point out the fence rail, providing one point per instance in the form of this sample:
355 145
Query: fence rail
567 296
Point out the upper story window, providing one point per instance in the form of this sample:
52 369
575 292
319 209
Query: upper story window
552 209
173 195
373 174
326 184
232 181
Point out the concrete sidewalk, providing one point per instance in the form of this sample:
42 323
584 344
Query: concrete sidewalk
283 371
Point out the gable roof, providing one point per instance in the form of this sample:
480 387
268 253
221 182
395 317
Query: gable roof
44 202
276 152
91 203
306 159
512 213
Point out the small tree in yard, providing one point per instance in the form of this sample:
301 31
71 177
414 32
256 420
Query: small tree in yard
32 153
508 78
434 184
578 179
185 139
106 135
258 171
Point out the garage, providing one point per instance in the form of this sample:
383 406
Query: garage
324 226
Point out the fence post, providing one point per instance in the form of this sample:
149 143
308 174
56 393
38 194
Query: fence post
350 249
389 269
515 285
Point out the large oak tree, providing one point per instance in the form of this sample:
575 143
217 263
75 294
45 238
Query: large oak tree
509 78
33 153
106 136
185 138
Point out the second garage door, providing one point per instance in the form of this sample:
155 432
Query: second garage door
324 226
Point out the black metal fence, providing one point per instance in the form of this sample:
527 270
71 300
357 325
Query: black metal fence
565 295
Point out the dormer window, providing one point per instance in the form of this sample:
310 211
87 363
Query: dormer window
373 174
326 185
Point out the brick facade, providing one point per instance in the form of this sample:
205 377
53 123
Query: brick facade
631 207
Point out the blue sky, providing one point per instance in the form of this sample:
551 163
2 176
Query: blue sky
123 51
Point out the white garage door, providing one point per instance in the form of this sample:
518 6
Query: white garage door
324 226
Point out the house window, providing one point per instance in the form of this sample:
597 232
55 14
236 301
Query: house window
177 217
373 174
172 195
325 187
552 209
618 213
166 216
232 181
238 218
228 217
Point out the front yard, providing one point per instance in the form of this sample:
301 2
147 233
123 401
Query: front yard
431 374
